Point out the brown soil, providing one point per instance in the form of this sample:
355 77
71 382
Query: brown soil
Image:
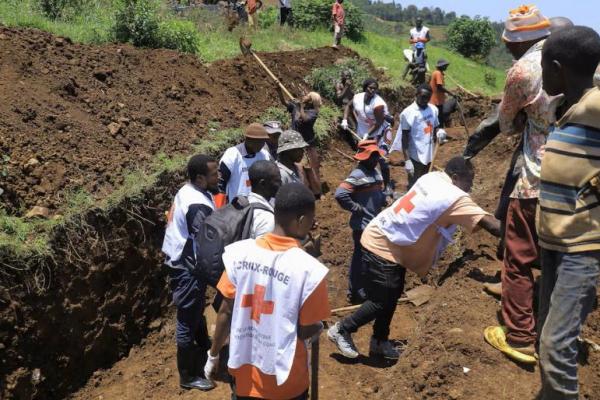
443 337
81 117
106 289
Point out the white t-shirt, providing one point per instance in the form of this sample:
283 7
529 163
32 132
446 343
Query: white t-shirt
365 113
176 234
422 34
238 164
263 221
422 124
285 3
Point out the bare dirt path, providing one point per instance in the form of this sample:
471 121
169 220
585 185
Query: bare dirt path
446 356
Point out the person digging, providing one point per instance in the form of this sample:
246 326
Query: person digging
362 194
410 234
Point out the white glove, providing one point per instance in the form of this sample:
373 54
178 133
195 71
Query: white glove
344 124
212 363
409 167
441 136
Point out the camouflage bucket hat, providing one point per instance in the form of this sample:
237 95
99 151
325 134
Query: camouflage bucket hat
290 140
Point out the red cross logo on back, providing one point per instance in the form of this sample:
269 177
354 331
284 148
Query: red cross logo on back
405 203
257 303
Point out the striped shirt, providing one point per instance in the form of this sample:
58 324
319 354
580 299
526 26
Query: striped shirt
569 209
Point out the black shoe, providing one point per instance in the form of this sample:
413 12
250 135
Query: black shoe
186 365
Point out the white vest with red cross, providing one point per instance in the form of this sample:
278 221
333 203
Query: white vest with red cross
271 287
407 218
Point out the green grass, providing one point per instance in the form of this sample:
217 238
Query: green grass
92 26
385 50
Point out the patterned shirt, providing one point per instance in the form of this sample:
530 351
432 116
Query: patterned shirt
523 91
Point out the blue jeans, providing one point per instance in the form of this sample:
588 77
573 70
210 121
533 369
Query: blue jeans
567 293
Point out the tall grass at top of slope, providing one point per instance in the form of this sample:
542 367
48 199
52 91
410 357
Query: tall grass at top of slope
215 42
93 25
387 53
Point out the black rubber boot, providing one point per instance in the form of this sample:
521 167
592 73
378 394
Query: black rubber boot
185 366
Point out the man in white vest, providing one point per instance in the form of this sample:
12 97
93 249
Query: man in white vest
192 204
410 234
236 161
275 299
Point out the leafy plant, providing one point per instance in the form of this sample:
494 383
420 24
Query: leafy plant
472 37
490 79
269 16
323 80
313 14
178 35
138 22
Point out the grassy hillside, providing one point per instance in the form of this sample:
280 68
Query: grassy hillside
383 48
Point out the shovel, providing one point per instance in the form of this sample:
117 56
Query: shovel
462 116
417 296
245 47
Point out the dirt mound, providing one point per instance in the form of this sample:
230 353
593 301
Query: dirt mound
81 117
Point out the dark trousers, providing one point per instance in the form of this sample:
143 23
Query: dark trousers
384 285
444 111
285 15
189 297
567 295
420 170
385 171
521 253
356 273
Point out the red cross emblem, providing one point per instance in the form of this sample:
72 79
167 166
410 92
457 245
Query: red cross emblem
405 203
258 304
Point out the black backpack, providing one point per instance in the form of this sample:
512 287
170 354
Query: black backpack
224 226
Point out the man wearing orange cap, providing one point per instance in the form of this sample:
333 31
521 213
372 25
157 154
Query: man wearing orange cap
234 165
362 194
524 110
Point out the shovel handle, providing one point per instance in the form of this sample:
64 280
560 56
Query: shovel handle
435 151
262 64
314 370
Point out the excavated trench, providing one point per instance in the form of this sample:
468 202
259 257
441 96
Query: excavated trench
88 116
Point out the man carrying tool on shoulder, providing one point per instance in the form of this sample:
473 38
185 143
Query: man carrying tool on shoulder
410 234
275 299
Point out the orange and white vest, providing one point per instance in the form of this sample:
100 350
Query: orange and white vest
407 218
237 161
271 287
176 234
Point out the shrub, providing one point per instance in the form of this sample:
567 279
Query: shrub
269 16
313 14
490 79
471 37
137 22
65 9
178 35
323 80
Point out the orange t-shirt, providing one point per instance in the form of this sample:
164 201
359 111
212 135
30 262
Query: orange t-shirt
419 257
438 97
249 380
